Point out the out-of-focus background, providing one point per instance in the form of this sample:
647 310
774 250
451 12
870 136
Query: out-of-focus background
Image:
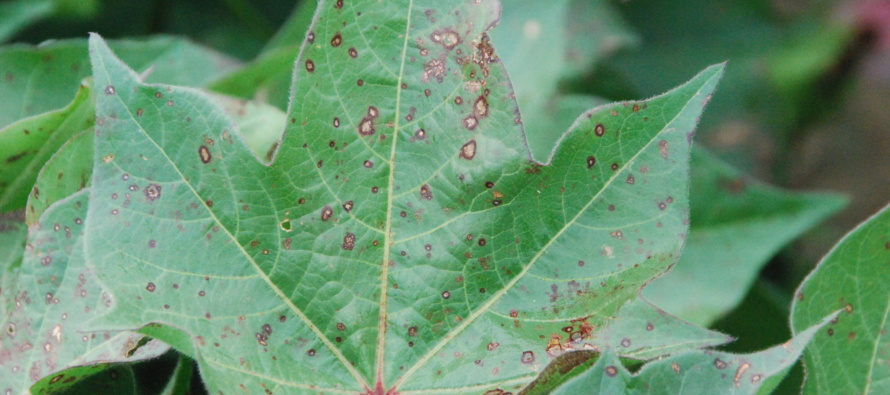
804 104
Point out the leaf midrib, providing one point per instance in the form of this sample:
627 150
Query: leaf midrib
388 232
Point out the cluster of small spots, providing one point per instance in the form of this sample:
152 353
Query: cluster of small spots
326 213
426 192
348 241
366 126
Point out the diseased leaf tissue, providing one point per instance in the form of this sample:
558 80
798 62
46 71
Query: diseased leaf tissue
402 239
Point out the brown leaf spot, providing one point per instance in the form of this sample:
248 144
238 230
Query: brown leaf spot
150 287
468 150
348 205
470 122
611 371
348 241
599 130
337 40
426 192
528 357
719 364
591 161
310 65
204 154
353 53
480 108
326 213
663 148
152 192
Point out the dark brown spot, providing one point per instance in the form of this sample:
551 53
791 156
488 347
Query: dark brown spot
458 100
591 161
427 92
374 189
337 40
470 122
412 331
625 342
720 364
496 202
204 154
482 242
319 164
310 37
614 166
446 295
311 353
353 53
480 109
152 192
662 206
326 213
630 179
267 329
426 192
368 164
310 65
611 371
109 90
152 244
341 326
420 134
528 357
348 205
150 287
599 130
336 122
468 150
338 5
360 82
489 184
348 241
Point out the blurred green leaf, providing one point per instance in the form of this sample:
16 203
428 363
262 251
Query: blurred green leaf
37 79
16 14
851 354
737 225
26 145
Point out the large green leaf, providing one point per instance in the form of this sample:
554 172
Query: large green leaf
738 224
850 356
402 232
